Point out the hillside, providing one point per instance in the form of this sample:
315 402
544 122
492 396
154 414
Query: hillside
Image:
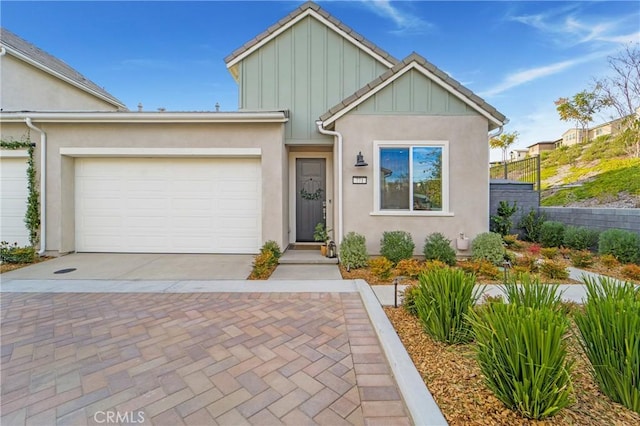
599 173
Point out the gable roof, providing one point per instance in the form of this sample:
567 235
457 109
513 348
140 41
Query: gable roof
417 62
308 9
40 59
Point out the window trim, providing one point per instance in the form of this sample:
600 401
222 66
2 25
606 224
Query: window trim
444 144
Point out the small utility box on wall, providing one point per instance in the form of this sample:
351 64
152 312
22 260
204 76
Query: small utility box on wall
359 180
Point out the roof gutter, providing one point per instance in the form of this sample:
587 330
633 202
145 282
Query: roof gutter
338 138
148 117
500 129
43 185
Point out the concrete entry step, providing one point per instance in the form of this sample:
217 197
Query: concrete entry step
306 256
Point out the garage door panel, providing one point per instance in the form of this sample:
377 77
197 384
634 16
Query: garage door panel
13 200
171 205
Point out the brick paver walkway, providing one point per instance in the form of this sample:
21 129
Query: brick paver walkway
195 359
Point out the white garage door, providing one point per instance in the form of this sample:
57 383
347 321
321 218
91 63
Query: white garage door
13 201
168 205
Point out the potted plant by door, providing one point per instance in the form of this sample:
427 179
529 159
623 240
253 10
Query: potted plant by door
321 235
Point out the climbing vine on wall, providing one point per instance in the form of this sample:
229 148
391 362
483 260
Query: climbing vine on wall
32 216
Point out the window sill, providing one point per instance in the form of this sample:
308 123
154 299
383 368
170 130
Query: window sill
412 214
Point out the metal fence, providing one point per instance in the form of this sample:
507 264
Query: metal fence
525 170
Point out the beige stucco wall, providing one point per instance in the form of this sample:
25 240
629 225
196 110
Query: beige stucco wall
60 168
26 88
468 175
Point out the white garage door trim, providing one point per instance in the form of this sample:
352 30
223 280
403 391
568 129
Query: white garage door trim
168 205
160 152
14 194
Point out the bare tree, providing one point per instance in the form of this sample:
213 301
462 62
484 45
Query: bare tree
622 88
622 91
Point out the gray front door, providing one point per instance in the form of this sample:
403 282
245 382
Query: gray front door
311 196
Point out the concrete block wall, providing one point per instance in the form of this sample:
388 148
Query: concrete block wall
595 218
520 192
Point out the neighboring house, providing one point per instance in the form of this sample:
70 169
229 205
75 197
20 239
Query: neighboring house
539 147
313 95
518 154
576 135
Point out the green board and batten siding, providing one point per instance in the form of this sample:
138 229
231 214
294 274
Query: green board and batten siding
307 69
414 93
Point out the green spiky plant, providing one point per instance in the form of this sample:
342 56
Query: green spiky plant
444 299
610 335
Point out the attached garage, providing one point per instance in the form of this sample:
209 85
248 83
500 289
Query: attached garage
13 198
168 205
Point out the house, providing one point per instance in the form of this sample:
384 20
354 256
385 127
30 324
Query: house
576 135
518 154
539 147
330 129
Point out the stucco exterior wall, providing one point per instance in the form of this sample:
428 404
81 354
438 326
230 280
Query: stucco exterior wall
60 168
26 88
468 175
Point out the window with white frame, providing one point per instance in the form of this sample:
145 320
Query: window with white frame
411 177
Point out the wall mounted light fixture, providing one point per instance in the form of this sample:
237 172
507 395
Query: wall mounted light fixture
360 160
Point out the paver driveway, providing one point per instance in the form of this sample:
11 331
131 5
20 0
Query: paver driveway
193 358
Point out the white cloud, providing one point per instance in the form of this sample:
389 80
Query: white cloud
525 76
568 28
405 22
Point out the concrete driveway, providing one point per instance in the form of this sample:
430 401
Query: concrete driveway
135 266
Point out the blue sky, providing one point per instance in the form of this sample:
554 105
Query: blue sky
519 56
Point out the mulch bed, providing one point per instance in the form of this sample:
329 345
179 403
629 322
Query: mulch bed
455 381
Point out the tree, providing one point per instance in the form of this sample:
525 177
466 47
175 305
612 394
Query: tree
581 108
622 91
503 142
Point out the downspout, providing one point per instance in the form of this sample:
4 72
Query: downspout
43 185
338 139
3 51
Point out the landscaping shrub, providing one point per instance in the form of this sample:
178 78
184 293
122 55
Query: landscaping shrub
609 328
623 245
353 251
409 299
552 234
554 270
631 271
410 268
438 247
609 261
12 253
531 224
396 245
530 263
549 252
273 247
511 241
535 249
531 293
263 265
580 238
488 246
522 354
481 268
381 267
581 259
444 299
502 223
430 265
